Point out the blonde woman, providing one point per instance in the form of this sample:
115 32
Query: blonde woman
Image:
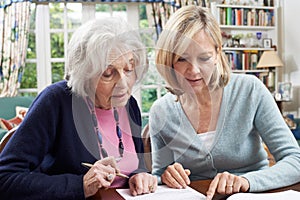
213 124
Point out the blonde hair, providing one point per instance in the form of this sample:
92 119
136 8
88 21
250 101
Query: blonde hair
89 50
175 39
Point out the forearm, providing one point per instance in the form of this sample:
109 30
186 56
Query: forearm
283 173
31 186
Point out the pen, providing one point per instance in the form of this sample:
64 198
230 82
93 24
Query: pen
118 174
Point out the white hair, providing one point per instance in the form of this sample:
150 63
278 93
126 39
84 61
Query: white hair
89 48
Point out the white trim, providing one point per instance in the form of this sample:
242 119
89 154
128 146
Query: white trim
66 37
43 53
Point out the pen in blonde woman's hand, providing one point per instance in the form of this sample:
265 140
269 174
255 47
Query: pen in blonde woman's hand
118 174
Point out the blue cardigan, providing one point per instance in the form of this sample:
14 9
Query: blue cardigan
43 158
248 116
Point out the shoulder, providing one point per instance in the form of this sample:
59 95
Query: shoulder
245 92
165 103
245 83
244 79
58 89
54 95
165 111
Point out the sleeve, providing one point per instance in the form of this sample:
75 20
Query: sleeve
162 156
21 169
281 143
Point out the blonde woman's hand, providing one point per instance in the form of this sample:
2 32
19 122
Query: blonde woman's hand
175 176
101 174
142 183
226 183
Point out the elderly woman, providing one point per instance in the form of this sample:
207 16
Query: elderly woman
89 118
214 124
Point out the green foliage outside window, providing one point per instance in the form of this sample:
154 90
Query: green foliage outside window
29 79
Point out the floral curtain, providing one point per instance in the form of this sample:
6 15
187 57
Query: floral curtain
14 26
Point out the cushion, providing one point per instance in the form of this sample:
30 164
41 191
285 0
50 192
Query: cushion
11 123
5 124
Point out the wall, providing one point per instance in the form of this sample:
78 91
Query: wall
290 51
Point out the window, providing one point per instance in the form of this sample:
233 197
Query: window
51 27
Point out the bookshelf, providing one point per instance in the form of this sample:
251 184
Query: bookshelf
247 30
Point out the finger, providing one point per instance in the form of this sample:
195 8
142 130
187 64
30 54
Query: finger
109 161
188 172
212 188
178 173
151 183
222 183
145 185
229 183
154 178
236 186
104 174
90 181
181 176
168 179
132 188
111 173
139 187
244 184
103 180
91 186
91 175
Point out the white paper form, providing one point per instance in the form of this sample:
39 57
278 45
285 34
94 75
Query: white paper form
289 195
163 192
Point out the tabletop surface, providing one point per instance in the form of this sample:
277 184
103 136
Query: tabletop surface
201 186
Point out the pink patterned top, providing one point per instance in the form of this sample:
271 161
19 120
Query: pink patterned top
107 127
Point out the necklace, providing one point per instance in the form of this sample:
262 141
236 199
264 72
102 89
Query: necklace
103 152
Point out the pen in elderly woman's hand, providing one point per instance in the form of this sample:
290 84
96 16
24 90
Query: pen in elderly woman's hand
118 174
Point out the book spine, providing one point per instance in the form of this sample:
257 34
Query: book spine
228 16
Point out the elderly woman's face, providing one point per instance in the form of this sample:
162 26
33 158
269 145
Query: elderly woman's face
197 64
115 84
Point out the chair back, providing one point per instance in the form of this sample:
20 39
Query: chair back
147 147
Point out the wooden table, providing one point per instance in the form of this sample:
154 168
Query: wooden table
201 186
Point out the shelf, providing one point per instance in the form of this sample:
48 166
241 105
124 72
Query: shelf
242 27
240 20
246 49
250 71
247 7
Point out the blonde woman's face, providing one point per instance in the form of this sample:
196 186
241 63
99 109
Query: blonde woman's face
115 84
197 64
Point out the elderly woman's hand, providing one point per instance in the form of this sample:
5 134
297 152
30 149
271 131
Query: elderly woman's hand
142 183
101 174
226 183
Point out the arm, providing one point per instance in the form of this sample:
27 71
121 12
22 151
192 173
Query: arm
263 121
25 164
281 143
